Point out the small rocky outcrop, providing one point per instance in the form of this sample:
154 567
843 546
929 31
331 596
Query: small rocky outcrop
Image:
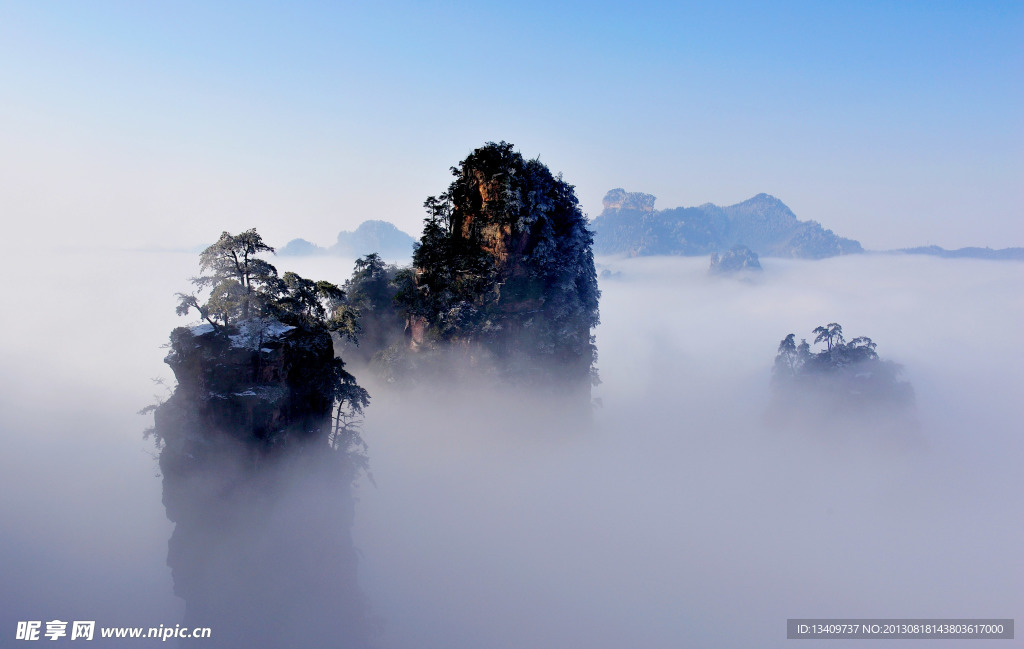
844 387
738 259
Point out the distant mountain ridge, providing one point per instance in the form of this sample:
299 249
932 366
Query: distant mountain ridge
630 225
381 237
1003 254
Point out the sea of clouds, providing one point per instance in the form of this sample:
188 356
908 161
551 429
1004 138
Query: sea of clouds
678 519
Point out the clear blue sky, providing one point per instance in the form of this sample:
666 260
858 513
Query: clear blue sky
148 123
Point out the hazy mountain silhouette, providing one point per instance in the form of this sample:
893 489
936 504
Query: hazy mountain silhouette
1015 254
380 237
630 225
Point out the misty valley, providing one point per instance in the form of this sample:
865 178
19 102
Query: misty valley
510 442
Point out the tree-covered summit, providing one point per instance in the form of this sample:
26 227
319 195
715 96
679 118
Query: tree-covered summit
243 285
266 345
842 377
505 266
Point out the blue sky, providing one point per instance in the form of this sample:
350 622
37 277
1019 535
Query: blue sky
896 123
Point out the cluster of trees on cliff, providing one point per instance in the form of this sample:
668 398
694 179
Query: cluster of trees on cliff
505 270
244 286
842 376
249 302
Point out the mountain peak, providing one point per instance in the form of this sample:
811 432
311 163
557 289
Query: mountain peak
377 236
373 227
763 223
620 199
763 200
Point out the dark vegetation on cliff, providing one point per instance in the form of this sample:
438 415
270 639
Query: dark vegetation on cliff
258 448
371 293
630 225
842 382
502 282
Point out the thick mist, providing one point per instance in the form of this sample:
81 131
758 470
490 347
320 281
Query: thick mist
682 520
679 519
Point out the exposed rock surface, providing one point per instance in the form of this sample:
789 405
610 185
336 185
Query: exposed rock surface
630 225
505 271
261 550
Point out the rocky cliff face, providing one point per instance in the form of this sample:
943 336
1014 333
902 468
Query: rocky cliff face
261 550
505 271
480 218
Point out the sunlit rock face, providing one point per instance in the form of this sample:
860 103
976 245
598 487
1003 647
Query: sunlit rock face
261 550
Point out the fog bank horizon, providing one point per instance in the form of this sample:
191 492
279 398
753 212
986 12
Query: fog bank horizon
679 517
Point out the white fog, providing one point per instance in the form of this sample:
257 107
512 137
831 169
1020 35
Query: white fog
680 515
